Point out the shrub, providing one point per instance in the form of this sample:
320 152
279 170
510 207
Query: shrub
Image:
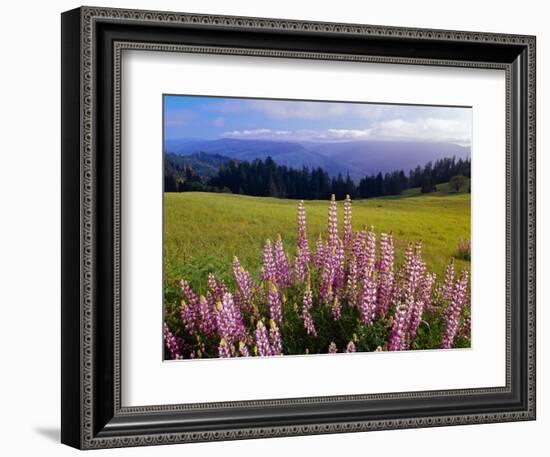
464 250
457 182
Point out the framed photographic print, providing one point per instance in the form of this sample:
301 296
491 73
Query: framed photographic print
274 227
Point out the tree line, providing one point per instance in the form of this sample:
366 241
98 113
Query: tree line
265 178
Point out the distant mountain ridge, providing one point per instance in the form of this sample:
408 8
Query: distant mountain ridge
291 154
359 158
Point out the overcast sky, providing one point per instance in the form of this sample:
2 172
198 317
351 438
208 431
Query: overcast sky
219 117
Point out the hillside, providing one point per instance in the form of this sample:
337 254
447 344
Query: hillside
359 158
205 165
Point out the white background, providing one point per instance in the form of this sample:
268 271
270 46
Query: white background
147 75
30 212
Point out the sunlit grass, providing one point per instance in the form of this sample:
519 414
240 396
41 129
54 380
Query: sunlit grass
203 231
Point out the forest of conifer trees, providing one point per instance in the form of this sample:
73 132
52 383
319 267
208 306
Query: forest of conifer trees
265 178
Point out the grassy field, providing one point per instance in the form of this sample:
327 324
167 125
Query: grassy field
203 231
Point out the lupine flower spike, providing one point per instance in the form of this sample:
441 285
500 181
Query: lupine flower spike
448 285
458 300
275 339
302 245
306 311
320 253
172 343
386 274
282 266
244 284
269 270
263 347
347 223
223 349
398 336
367 301
274 301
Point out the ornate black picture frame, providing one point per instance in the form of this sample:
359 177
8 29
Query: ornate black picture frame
92 42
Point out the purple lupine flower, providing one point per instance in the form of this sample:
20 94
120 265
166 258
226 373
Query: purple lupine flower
188 292
369 259
426 287
332 257
320 254
452 315
422 302
420 264
415 317
418 249
465 329
218 289
207 324
386 274
238 318
244 283
274 303
367 300
358 249
339 269
332 349
336 308
307 304
269 271
243 349
448 284
419 290
398 335
352 281
189 316
282 267
347 223
172 342
351 347
275 339
212 283
224 349
189 313
413 269
303 255
408 265
300 265
263 348
327 277
332 272
229 319
301 239
332 223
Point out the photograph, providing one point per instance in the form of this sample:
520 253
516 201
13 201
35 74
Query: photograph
301 227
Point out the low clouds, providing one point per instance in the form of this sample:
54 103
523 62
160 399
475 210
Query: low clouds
429 129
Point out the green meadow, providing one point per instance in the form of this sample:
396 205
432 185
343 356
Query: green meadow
203 231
